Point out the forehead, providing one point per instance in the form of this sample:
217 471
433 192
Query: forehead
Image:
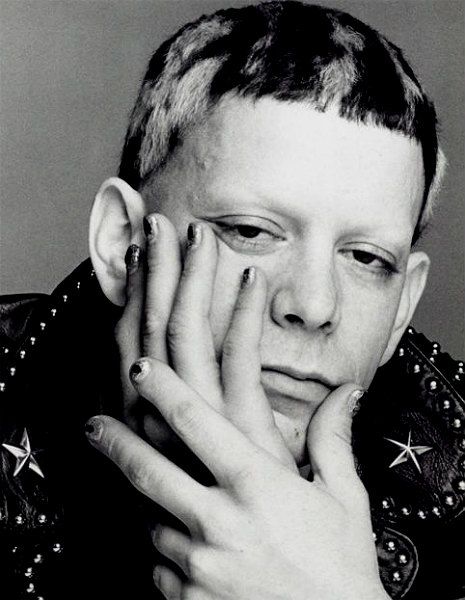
292 155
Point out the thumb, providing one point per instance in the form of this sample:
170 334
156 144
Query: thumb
329 441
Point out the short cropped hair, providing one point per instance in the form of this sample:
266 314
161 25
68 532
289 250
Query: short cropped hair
285 50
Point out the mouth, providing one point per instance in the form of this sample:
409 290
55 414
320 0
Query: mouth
295 384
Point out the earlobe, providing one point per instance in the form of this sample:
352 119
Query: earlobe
415 281
115 223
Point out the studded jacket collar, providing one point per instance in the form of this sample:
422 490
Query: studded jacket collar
57 358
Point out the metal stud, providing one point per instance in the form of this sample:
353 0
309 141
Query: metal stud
405 511
436 511
19 520
391 546
12 371
431 359
32 340
375 537
5 350
462 464
402 559
457 377
78 285
42 519
433 385
446 404
14 549
65 298
30 588
56 547
460 485
22 354
410 331
401 352
421 514
416 369
42 325
92 273
456 423
460 371
28 572
53 312
396 576
462 443
449 500
2 386
386 504
38 559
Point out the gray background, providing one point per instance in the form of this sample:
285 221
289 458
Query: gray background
69 74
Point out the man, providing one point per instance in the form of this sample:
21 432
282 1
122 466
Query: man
280 163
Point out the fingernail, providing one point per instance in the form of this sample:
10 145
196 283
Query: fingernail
354 401
139 369
248 277
132 258
93 428
194 235
150 227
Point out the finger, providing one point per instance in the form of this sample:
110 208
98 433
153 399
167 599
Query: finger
169 584
176 546
128 327
329 443
148 470
247 404
163 272
225 451
189 334
173 588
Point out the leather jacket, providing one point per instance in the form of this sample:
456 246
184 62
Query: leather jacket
59 366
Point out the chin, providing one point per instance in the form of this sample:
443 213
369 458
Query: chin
295 437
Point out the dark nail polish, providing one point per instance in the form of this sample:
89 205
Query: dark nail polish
93 428
132 258
193 235
138 369
248 277
354 401
150 226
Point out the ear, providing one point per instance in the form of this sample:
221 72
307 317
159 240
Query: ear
115 223
414 284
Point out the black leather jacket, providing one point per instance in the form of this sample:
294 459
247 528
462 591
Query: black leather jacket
58 361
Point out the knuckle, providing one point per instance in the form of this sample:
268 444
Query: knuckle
184 417
196 566
178 328
140 476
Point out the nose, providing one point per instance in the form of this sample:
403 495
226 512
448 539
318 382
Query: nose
306 294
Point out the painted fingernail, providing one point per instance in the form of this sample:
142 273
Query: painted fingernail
132 258
354 401
93 429
139 369
150 227
248 277
194 235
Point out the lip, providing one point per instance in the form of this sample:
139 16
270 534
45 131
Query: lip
295 384
301 375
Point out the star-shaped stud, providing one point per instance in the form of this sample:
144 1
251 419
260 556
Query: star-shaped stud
24 456
408 451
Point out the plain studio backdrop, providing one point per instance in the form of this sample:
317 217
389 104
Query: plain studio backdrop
69 75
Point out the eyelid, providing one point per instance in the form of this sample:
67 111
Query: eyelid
377 251
251 220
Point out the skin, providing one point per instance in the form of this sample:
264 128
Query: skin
320 207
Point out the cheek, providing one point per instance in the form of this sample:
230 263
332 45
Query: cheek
368 317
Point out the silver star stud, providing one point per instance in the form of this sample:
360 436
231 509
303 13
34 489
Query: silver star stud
408 451
24 456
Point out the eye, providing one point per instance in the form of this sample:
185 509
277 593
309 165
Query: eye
377 264
249 234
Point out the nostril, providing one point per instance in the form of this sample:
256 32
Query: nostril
294 319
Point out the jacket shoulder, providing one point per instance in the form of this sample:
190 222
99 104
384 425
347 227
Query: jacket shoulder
16 311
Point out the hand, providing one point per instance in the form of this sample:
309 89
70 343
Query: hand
264 532
167 317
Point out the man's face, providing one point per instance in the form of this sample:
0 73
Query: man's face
326 208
